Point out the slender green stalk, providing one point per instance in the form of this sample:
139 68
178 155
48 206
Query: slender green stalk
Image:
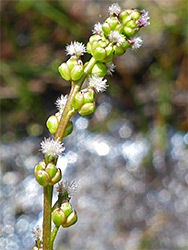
53 235
68 111
47 191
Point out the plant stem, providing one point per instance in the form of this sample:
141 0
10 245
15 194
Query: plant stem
68 111
47 191
53 235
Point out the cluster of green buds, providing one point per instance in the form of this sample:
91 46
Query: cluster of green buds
113 37
45 171
47 174
64 215
73 69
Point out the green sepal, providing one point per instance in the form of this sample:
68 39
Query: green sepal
40 166
87 109
66 208
135 14
52 124
56 178
51 169
78 100
118 51
42 178
128 31
89 96
106 28
69 129
112 21
131 24
123 15
71 63
126 20
76 72
71 220
94 38
88 47
99 53
58 217
64 71
99 69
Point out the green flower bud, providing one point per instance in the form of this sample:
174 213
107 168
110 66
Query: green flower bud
51 169
125 20
118 51
68 129
58 217
66 208
119 28
71 220
78 100
52 124
64 71
56 178
72 62
125 45
87 109
123 15
106 28
94 38
40 166
43 178
135 14
89 96
88 47
99 69
128 31
112 21
99 53
131 24
76 72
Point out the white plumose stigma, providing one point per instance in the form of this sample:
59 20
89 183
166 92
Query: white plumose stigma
136 42
75 48
98 83
97 29
143 20
114 9
110 67
37 233
61 101
116 37
52 148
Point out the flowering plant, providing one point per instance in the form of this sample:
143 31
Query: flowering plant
112 38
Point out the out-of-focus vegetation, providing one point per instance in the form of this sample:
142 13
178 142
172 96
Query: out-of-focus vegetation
147 198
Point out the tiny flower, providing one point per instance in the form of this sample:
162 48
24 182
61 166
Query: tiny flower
61 101
52 148
98 83
66 188
97 29
116 37
75 48
136 43
143 20
114 9
110 67
37 233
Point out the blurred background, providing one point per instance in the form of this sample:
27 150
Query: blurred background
129 159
